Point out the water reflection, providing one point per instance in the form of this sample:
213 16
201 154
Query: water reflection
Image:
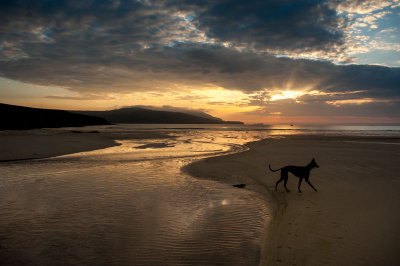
129 206
375 130
184 144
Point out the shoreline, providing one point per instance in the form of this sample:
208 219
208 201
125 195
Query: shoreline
21 145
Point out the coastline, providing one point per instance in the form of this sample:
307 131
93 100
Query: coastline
352 219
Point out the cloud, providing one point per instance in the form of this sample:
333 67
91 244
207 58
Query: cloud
324 109
370 20
273 25
126 26
99 47
193 66
363 6
375 81
80 98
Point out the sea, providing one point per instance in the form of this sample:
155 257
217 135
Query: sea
323 129
132 205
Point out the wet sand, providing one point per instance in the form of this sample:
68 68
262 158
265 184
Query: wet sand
128 205
44 143
354 217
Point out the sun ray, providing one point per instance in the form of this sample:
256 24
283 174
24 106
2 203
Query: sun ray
286 94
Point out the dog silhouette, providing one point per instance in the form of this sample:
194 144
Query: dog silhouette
302 172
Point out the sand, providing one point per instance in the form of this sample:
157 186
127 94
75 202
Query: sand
354 217
43 143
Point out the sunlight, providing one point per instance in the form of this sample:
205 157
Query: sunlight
221 95
288 94
225 202
354 101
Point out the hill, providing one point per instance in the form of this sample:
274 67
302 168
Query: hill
138 115
19 117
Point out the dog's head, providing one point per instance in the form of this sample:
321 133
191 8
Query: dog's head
314 163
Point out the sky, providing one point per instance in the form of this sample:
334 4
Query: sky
271 61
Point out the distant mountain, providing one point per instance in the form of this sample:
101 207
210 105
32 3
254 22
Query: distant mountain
19 117
138 115
169 108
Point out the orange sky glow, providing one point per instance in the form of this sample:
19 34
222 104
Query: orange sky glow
272 62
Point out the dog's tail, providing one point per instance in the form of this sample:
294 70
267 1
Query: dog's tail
273 169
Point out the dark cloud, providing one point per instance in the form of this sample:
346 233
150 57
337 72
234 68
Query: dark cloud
369 109
281 25
376 81
189 64
85 30
95 47
88 28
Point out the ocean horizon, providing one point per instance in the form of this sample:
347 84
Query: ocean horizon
284 129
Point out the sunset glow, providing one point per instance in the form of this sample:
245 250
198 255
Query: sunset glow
352 101
286 95
193 56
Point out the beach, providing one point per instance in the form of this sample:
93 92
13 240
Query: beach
352 219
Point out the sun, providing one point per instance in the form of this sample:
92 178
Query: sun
288 94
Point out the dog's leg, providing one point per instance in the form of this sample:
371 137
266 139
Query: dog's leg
284 184
285 176
276 185
310 184
300 179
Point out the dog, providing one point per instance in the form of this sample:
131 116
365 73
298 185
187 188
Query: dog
299 171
